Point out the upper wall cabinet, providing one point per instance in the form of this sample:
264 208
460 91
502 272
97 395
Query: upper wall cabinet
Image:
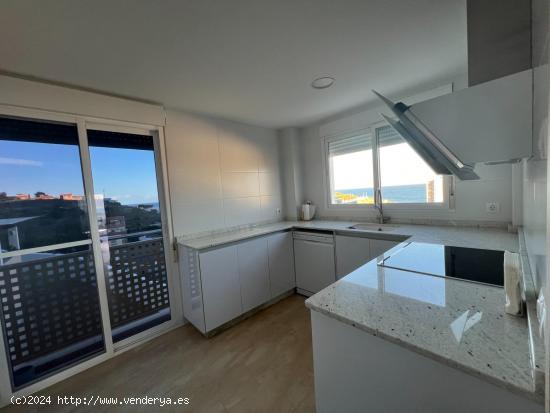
484 123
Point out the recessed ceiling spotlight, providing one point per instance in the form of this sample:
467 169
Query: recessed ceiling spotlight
322 82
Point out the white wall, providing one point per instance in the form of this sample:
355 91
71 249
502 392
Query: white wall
536 196
291 166
470 196
222 174
535 170
53 98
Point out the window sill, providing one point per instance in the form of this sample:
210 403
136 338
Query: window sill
391 207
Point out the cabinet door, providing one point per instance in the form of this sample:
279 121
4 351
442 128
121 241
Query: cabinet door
379 246
221 291
281 263
351 253
253 273
314 265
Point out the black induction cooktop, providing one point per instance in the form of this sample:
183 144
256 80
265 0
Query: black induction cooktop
472 264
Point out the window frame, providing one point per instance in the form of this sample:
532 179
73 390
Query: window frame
448 181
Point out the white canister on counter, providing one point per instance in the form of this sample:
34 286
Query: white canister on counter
308 211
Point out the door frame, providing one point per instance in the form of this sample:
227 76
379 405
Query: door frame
161 173
174 287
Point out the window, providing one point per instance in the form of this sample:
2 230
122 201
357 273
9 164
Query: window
42 192
404 176
375 158
352 172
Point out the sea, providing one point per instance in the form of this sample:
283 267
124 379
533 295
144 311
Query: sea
400 193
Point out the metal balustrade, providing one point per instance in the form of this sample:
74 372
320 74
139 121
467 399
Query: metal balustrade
136 280
50 306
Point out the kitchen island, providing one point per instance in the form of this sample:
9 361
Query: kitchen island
387 340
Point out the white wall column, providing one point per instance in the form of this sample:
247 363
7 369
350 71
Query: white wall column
291 163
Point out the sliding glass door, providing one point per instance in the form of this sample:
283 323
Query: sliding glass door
82 244
130 225
50 310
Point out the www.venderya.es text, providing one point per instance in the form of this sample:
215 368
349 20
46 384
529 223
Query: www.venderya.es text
94 400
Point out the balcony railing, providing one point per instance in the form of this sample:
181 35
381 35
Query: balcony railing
50 306
136 280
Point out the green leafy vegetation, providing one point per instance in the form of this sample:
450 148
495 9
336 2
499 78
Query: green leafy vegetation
56 221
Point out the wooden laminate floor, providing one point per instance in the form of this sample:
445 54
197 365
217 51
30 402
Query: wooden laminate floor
263 364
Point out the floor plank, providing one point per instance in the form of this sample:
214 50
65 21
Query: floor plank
263 364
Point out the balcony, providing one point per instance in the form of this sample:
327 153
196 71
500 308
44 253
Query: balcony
50 305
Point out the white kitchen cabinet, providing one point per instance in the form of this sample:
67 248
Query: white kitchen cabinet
222 283
314 261
253 273
356 371
351 253
221 289
380 246
281 263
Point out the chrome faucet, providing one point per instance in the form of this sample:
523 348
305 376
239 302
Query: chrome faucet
378 205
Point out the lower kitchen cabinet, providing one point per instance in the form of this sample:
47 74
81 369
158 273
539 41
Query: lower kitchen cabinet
380 246
351 253
253 273
281 263
221 290
223 283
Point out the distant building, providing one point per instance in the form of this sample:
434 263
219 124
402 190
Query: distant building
13 234
71 197
147 207
45 196
23 197
116 226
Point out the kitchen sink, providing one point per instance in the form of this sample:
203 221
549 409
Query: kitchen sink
373 227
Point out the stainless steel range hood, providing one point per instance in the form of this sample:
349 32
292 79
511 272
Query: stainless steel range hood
436 154
490 121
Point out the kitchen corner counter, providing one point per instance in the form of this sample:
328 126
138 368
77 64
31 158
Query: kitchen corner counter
214 239
488 238
458 323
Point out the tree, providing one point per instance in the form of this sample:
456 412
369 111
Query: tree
3 196
39 194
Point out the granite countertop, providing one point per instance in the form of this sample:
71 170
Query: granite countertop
219 238
489 238
459 323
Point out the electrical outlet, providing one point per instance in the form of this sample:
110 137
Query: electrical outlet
492 207
278 210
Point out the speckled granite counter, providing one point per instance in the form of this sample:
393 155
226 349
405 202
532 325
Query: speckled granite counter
489 238
220 238
458 323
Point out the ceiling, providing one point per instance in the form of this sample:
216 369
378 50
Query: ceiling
246 60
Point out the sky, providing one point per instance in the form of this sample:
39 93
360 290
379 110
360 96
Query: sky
399 165
126 175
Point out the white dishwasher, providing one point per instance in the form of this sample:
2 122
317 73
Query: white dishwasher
314 261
